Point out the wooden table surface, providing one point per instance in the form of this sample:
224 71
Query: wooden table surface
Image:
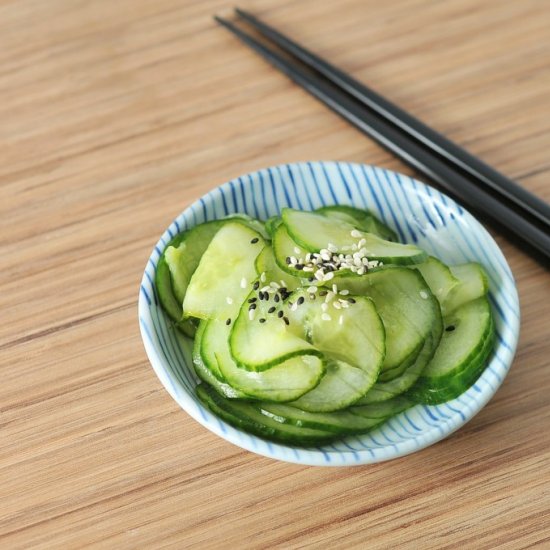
114 117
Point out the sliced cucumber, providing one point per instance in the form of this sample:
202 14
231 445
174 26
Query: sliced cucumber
340 422
382 410
463 347
284 382
248 417
408 310
438 276
266 264
314 232
253 223
383 391
271 224
361 219
284 247
205 374
260 339
224 274
472 284
352 338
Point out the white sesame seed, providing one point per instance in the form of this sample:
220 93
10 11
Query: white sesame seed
345 304
329 296
294 307
356 234
312 289
341 320
332 248
283 283
273 284
358 262
296 250
243 283
361 243
324 306
361 271
326 257
324 251
337 305
293 260
262 277
365 261
229 300
354 247
334 289
326 317
251 313
307 268
364 252
319 274
344 248
328 276
344 292
423 294
265 288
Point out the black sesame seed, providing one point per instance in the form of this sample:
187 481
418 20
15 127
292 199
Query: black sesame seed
450 328
287 260
285 319
276 297
351 300
251 307
256 285
262 320
311 279
254 240
252 300
280 314
271 309
282 289
323 293
228 322
300 300
299 267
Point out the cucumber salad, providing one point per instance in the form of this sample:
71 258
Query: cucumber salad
317 325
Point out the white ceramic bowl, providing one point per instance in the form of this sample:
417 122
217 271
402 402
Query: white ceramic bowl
419 214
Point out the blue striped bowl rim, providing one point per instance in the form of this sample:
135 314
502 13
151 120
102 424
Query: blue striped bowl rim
420 214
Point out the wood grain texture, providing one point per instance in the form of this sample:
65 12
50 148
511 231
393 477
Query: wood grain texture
114 117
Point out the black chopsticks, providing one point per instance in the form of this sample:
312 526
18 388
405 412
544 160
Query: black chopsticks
521 214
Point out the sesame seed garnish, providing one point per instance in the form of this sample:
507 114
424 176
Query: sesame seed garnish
326 317
287 322
256 285
262 277
324 306
294 307
271 309
293 260
299 267
423 294
273 284
307 268
296 250
330 296
344 292
337 305
334 289
229 300
323 293
356 234
280 314
341 320
287 260
251 313
300 301
312 289
332 248
252 300
251 307
351 300
228 322
328 276
276 297
254 240
283 283
243 283
262 320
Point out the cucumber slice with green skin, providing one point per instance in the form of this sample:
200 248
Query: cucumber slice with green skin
253 223
361 219
205 374
271 225
465 345
407 308
439 277
340 422
184 256
284 247
384 409
284 382
247 417
383 391
456 386
353 340
259 338
314 232
224 274
265 263
472 284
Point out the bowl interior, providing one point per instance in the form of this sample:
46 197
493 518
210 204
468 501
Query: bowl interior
420 215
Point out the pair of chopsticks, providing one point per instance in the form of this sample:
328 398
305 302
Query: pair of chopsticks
522 215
